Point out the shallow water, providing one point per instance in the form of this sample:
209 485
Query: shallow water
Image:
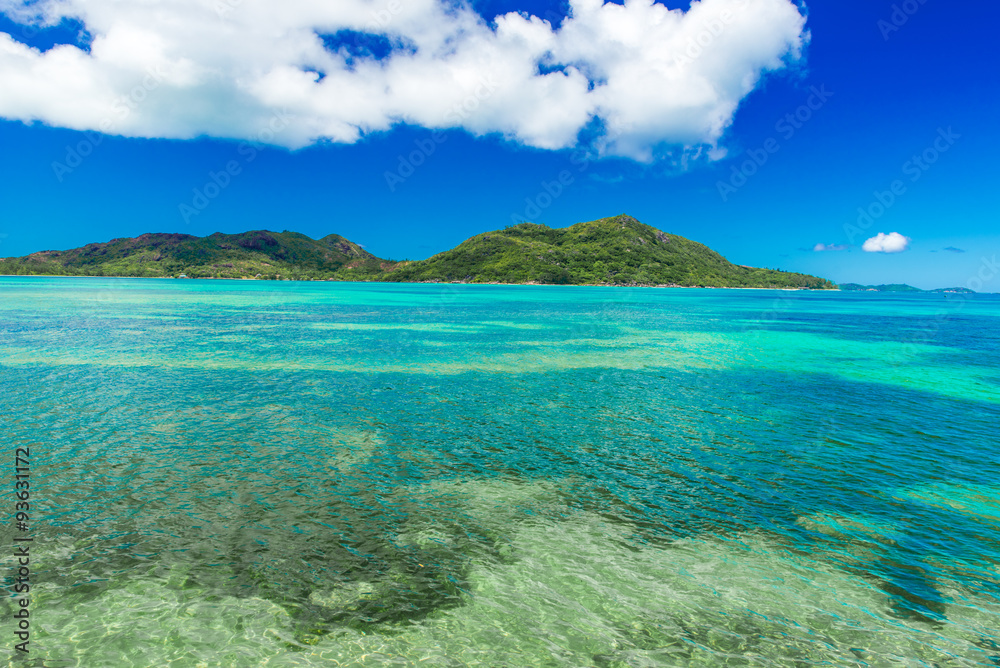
294 474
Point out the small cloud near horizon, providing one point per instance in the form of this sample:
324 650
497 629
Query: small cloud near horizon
894 242
819 248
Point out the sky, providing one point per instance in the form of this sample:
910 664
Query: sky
851 139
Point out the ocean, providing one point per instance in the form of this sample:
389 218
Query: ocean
243 473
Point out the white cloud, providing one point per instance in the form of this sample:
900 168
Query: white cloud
649 78
820 248
894 242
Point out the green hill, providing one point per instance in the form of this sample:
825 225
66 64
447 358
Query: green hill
894 287
247 255
897 287
965 291
610 251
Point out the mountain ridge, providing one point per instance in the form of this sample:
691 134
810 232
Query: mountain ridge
618 250
897 287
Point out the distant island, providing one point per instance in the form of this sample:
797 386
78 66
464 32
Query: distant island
610 251
897 287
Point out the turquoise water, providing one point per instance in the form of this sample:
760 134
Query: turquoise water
323 474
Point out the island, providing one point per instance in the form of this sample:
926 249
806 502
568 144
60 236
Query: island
898 287
616 251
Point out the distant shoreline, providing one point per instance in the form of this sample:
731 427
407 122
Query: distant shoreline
541 285
327 280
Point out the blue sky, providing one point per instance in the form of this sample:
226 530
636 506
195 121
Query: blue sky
880 98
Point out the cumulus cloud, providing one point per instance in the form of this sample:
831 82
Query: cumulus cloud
830 247
894 242
632 80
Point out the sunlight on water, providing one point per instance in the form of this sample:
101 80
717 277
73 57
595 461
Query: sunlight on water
267 474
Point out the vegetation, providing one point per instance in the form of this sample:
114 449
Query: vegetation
896 287
259 254
610 251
